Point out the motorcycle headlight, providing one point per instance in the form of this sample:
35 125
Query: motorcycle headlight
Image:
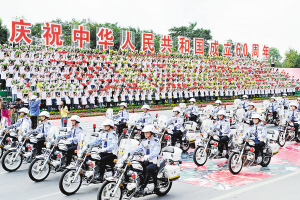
205 135
240 141
79 154
48 145
20 138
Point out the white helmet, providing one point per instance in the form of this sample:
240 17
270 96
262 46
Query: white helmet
298 99
221 112
251 104
257 116
293 104
24 110
192 99
273 97
45 113
284 95
218 101
108 122
146 106
176 109
148 128
75 118
245 96
123 104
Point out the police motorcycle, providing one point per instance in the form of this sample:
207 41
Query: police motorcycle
128 178
117 122
184 145
25 149
244 153
84 168
287 129
190 126
134 127
53 160
164 138
268 114
7 140
187 115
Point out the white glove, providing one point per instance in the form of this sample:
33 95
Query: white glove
103 150
146 157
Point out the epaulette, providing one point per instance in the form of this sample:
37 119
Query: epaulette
156 140
80 128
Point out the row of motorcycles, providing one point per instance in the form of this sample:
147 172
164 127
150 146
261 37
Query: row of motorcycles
121 180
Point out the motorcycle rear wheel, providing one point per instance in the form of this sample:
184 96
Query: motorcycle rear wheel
106 189
281 139
185 144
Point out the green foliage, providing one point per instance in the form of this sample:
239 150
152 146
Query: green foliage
274 56
292 59
3 33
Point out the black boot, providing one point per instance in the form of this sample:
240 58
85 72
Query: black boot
144 183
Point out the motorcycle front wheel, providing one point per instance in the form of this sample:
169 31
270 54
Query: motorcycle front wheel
7 161
36 173
185 144
67 184
200 156
1 152
234 166
106 190
281 139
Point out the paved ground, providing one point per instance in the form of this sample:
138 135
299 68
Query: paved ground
280 180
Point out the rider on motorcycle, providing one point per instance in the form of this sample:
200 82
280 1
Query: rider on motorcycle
151 148
245 103
146 117
223 127
108 140
124 116
258 132
293 115
274 105
193 108
73 134
23 113
218 107
177 121
43 128
285 102
250 112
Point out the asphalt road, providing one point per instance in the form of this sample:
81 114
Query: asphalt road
17 185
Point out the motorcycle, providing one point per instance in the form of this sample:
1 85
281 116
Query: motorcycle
286 131
84 168
24 151
117 122
243 154
184 144
54 158
129 174
135 128
207 145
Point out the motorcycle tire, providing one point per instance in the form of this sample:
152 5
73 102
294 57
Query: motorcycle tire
199 149
4 161
31 173
106 187
230 162
62 179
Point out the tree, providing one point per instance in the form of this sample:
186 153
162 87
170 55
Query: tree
191 33
3 33
274 55
291 59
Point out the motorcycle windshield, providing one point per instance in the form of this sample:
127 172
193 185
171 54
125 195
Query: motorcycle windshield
237 102
240 114
23 128
84 139
239 128
206 125
109 113
266 104
127 146
52 134
209 110
4 122
133 118
162 121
